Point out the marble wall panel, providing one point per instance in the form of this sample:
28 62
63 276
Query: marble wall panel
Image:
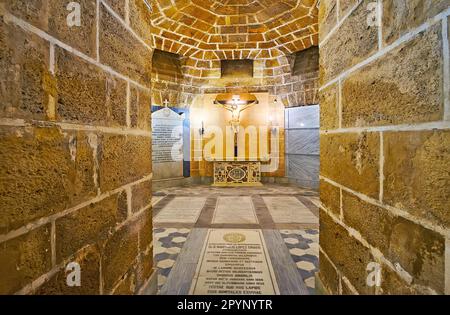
302 141
302 145
303 117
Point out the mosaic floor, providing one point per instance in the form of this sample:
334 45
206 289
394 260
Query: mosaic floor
281 258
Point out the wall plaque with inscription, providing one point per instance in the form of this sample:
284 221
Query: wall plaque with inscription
167 144
234 262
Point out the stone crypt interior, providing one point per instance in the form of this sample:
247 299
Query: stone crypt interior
251 147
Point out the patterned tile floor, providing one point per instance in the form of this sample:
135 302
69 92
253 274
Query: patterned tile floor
301 242
303 246
167 245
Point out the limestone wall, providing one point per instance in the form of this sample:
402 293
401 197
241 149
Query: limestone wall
289 81
385 146
75 146
169 81
271 74
218 30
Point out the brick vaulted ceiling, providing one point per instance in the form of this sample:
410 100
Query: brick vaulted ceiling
234 29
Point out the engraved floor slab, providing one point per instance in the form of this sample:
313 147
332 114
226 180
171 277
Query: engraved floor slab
234 262
234 209
289 210
182 210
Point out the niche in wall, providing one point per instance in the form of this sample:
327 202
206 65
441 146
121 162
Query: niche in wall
306 61
242 68
166 79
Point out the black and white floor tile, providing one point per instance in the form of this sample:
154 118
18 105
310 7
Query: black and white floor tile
303 246
167 246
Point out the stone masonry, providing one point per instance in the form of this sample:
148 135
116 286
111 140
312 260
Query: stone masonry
169 81
75 146
77 81
385 146
269 32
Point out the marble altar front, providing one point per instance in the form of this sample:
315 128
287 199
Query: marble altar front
237 173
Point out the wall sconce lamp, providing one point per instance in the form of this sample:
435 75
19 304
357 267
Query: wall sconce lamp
201 130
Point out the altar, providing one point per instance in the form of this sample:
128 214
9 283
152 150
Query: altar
237 173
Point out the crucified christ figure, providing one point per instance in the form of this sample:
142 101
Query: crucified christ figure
236 111
236 107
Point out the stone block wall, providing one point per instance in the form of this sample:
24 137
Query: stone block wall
220 30
239 31
385 146
273 73
169 82
305 75
75 147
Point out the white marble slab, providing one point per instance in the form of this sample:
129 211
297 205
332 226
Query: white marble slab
234 262
236 209
181 210
167 144
304 168
289 210
303 141
303 117
303 145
